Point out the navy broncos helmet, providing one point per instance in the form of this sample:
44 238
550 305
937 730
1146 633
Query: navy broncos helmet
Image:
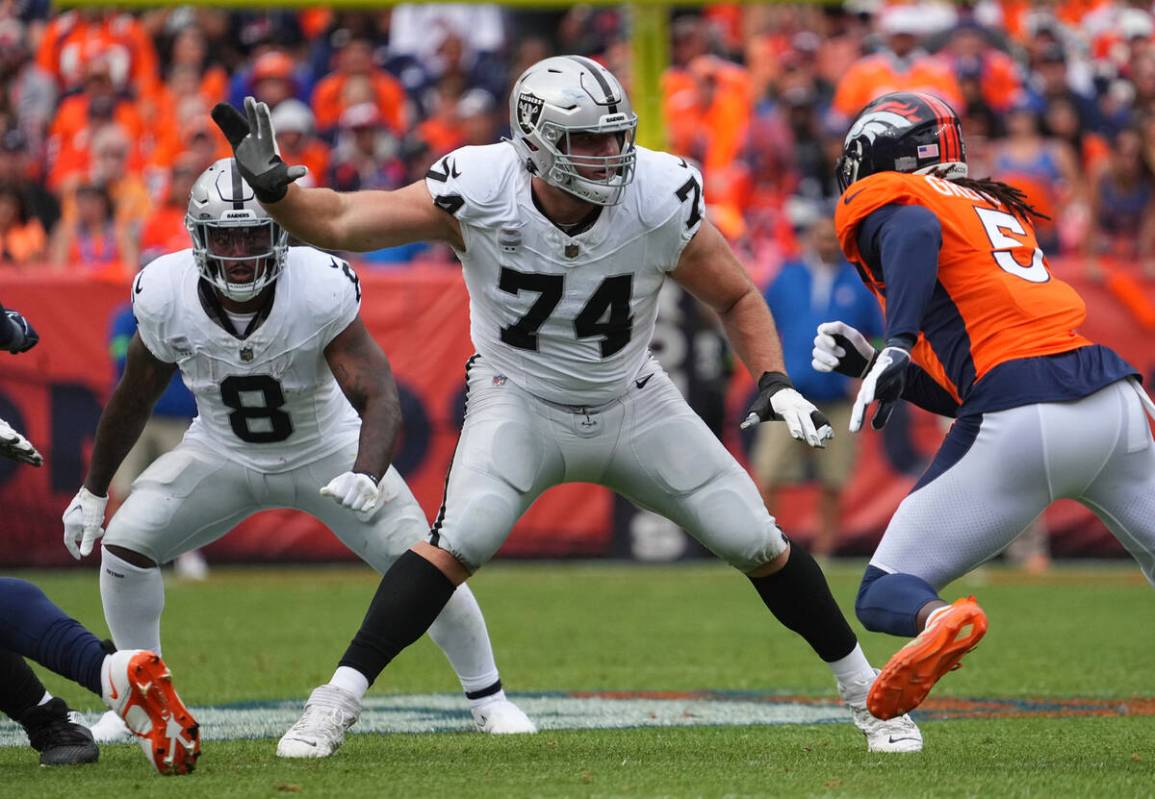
904 132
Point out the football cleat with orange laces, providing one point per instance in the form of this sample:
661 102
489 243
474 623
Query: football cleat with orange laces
137 685
913 670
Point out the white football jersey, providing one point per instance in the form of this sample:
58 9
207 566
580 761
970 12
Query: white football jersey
268 401
567 318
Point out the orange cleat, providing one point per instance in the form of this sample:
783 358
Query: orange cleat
913 670
137 685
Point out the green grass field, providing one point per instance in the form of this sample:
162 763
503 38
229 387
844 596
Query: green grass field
248 635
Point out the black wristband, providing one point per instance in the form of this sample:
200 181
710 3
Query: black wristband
775 380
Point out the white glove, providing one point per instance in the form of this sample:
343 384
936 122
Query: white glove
17 447
884 383
83 522
838 347
803 420
358 492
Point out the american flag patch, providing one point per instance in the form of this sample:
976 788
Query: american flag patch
927 151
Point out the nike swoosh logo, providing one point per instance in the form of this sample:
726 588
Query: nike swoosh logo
641 381
894 740
112 692
137 287
846 200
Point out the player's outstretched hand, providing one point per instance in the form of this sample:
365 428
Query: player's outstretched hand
838 347
24 336
884 383
17 447
83 522
778 401
358 492
254 144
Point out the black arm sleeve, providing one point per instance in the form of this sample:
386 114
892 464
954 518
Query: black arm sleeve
7 329
922 391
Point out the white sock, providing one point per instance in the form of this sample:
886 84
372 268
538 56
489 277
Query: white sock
460 632
351 680
852 668
133 600
44 700
499 696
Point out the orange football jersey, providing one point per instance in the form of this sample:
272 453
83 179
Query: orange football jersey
996 299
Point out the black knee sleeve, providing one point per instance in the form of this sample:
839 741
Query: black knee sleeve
410 597
800 598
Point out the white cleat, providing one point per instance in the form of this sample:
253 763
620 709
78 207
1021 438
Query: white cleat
110 729
502 717
320 731
899 734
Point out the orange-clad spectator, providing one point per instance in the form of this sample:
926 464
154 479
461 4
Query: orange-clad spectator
188 129
71 36
81 115
90 240
108 168
273 78
355 59
901 66
22 238
707 119
441 130
164 231
969 51
293 122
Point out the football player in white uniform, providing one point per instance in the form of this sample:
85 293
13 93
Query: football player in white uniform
566 233
269 339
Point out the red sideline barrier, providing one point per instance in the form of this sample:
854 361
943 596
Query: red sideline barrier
420 316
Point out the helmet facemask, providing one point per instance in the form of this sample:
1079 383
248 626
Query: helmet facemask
222 246
617 170
239 249
563 97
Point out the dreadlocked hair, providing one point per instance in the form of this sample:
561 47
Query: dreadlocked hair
1013 199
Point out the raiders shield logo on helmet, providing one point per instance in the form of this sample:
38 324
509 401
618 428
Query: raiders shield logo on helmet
528 112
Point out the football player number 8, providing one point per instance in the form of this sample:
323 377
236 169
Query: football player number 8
256 422
997 225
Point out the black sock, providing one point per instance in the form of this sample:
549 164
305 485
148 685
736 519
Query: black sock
20 688
799 597
411 595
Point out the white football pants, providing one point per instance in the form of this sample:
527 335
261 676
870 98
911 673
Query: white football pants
647 445
996 472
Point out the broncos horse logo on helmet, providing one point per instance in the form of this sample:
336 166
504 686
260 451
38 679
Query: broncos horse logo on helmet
904 132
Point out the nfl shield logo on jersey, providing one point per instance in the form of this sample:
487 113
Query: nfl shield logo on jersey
572 250
246 354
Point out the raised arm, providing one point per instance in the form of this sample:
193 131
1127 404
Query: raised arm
361 221
354 221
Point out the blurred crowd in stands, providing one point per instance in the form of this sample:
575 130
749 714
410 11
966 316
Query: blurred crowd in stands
104 114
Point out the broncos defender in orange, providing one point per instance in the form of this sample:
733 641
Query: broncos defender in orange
977 328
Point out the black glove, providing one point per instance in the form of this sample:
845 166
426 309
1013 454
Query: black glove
21 335
884 383
778 401
254 146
